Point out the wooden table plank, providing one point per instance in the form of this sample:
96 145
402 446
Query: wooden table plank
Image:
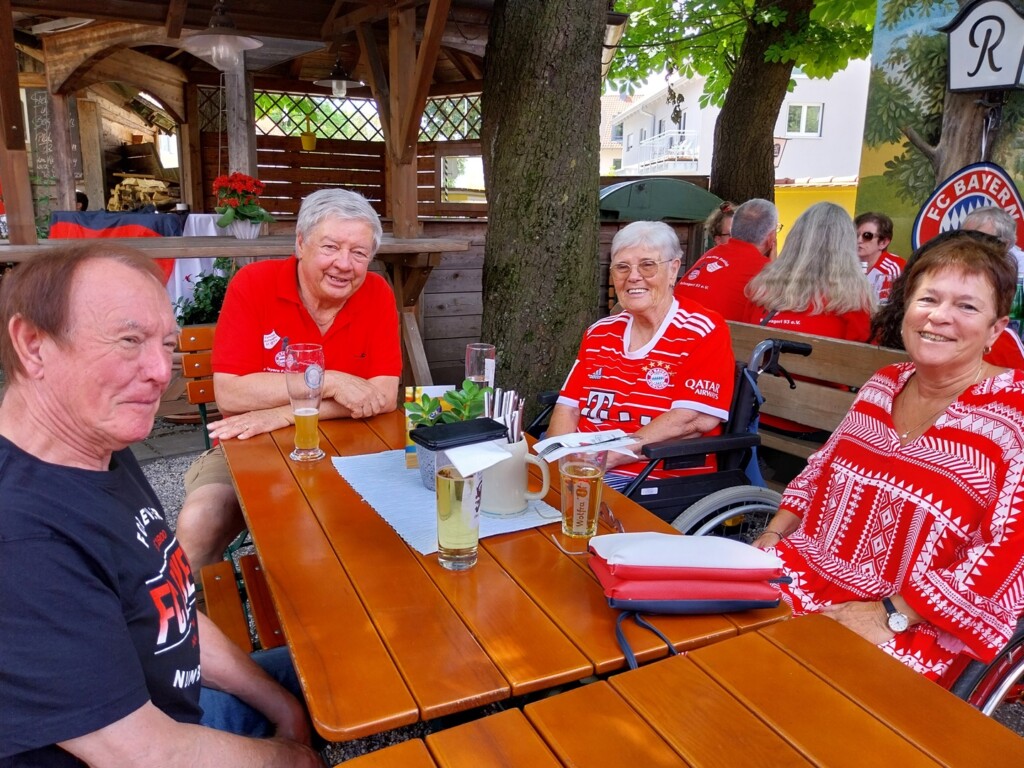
353 681
504 739
803 708
702 722
593 725
381 566
407 754
917 708
529 649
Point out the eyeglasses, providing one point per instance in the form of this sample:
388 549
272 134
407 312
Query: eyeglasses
722 234
867 237
646 268
779 227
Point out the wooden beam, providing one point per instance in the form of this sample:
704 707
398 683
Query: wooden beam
164 81
465 63
192 186
426 60
336 26
175 18
10 100
401 178
60 131
32 80
21 217
90 129
378 79
241 122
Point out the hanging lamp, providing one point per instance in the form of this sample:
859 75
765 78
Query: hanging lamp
220 44
338 80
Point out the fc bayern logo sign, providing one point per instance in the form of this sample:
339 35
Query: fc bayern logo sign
972 187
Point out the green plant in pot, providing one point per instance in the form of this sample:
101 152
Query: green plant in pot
208 291
463 404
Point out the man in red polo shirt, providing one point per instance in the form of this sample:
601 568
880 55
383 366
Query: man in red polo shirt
717 280
323 294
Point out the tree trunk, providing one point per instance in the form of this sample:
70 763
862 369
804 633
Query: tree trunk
541 116
743 165
963 125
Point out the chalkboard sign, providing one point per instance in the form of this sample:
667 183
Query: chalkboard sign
40 134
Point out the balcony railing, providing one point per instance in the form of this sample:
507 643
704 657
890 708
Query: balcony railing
668 152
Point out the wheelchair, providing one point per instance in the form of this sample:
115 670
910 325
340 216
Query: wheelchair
734 501
989 686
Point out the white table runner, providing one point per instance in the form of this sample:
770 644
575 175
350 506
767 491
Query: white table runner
398 496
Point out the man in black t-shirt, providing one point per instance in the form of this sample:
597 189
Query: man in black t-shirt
100 652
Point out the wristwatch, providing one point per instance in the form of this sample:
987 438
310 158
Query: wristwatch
897 621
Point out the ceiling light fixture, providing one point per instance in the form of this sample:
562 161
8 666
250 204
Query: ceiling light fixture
220 44
338 80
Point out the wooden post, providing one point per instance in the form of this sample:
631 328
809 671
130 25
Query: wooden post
401 162
241 122
60 130
17 188
190 161
90 128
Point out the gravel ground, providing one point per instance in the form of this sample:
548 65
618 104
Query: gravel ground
166 477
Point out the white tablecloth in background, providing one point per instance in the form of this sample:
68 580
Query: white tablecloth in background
196 225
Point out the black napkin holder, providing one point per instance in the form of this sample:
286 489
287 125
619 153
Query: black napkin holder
440 437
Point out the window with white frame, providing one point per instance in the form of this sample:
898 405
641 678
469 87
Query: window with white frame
629 141
617 132
643 135
661 127
804 120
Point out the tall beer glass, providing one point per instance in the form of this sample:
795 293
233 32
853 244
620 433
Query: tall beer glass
458 518
304 374
582 476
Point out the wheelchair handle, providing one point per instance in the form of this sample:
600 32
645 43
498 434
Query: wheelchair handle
794 347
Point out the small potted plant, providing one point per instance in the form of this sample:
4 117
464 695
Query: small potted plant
463 404
208 291
237 206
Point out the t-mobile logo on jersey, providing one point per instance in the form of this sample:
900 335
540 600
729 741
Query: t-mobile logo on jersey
704 387
598 405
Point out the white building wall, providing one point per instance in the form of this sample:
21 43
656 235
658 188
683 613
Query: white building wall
835 152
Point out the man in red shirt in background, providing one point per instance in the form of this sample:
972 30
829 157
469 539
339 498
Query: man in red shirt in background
717 280
874 233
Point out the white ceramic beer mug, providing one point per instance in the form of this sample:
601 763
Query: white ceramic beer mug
505 490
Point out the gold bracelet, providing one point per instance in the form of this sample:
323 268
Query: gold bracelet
766 530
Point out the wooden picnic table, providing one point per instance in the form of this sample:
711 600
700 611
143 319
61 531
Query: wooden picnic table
407 261
383 636
799 693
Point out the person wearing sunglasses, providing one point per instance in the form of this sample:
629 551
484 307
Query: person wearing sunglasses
718 224
874 233
661 369
719 277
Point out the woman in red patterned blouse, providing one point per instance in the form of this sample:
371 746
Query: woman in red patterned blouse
908 525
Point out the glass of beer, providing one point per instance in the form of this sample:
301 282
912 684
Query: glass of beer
480 364
304 375
581 475
458 518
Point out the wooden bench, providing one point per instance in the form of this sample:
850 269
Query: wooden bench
226 605
817 405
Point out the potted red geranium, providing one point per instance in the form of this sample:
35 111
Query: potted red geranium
236 203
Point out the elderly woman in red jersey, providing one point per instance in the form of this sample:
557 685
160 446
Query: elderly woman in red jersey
661 369
908 525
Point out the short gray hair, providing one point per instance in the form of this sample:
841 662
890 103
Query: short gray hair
656 235
754 221
336 203
1004 226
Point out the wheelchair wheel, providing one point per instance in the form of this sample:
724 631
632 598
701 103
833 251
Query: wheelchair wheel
987 687
740 512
